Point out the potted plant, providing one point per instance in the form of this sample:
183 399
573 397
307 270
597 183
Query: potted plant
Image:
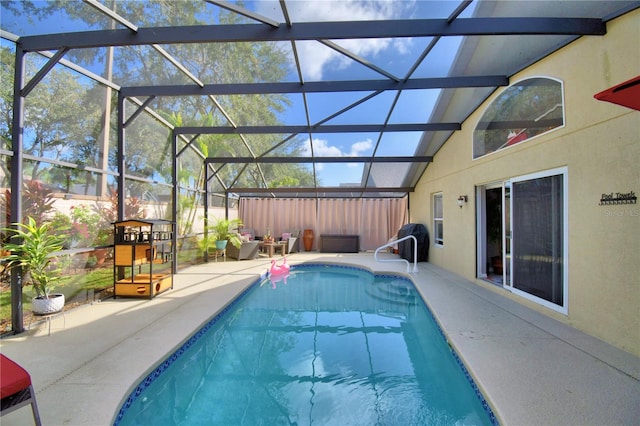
267 237
34 253
224 230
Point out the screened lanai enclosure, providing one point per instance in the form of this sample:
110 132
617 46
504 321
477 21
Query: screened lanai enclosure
286 114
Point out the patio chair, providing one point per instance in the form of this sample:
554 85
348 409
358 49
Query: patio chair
16 389
293 240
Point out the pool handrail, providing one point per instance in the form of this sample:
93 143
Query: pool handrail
415 253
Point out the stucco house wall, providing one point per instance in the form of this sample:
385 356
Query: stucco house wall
600 147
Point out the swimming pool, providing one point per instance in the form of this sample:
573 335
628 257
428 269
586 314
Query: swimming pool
327 345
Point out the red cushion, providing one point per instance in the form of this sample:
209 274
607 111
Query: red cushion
13 378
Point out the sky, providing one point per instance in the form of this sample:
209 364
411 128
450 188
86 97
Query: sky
320 62
395 56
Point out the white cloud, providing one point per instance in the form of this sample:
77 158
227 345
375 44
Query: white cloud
316 57
359 147
321 148
340 10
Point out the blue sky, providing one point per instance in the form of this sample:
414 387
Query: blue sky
320 62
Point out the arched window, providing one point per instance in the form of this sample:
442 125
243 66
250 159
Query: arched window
525 109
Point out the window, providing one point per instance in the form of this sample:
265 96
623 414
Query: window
438 237
525 109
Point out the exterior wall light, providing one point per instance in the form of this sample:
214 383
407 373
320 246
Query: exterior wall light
462 200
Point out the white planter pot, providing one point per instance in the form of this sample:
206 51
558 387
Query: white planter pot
45 306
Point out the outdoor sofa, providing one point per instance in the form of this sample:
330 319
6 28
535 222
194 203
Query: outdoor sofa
248 250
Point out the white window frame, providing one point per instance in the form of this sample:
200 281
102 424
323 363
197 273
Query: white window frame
438 240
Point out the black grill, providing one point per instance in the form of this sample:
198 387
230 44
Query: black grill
405 248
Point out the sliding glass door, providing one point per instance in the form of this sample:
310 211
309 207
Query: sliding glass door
539 235
525 219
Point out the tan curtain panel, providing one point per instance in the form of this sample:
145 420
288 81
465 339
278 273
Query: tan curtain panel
375 220
277 215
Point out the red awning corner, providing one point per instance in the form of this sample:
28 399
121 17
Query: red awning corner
626 94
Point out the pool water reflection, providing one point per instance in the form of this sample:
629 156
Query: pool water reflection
328 345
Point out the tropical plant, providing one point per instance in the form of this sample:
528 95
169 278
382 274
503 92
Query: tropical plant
226 230
37 201
85 225
108 211
64 226
5 210
205 243
104 238
33 251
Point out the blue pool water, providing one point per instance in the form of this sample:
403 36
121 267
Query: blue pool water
332 345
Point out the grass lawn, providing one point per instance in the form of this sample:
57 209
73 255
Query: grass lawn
73 285
80 286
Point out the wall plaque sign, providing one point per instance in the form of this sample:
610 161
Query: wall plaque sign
618 198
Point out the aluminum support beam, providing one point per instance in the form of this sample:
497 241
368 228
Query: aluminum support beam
174 200
138 111
317 86
17 139
120 154
316 31
43 72
356 128
316 190
244 12
206 207
280 160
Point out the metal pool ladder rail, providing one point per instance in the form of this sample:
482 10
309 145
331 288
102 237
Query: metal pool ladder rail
415 253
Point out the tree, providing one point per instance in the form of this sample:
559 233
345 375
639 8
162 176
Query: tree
147 145
60 115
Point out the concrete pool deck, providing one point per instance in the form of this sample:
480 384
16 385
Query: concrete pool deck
533 369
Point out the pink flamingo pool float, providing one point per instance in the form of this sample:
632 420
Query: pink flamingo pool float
279 269
278 273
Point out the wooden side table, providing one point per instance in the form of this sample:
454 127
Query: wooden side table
270 248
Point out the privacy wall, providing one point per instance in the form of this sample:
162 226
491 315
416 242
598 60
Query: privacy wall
374 220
